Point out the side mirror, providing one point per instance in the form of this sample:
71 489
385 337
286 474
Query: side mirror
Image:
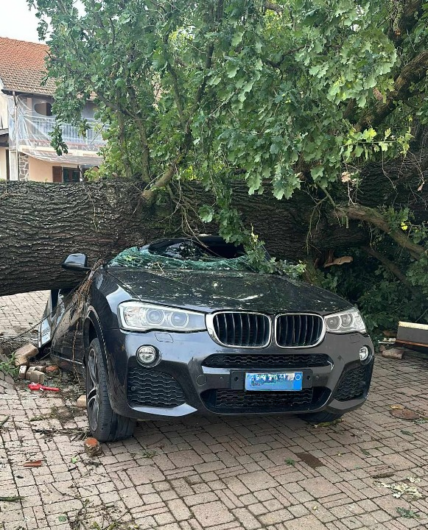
76 263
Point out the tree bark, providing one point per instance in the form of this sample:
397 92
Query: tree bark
41 224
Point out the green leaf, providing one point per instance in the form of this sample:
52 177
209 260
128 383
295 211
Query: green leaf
232 69
206 213
237 38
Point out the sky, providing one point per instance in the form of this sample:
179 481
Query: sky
16 21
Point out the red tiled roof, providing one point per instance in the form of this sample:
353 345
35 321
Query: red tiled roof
22 67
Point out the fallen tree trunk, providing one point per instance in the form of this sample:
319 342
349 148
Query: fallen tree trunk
40 224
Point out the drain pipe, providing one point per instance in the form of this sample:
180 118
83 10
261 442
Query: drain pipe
16 134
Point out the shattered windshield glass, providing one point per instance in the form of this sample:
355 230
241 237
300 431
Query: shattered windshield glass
181 255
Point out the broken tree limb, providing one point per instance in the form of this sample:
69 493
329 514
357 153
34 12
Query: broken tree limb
375 218
391 267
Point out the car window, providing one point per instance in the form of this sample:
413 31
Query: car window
183 254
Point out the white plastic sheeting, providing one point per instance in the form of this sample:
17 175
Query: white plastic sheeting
83 159
29 132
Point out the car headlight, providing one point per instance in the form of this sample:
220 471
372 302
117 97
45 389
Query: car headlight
345 322
138 316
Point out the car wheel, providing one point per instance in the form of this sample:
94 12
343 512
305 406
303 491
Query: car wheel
320 417
104 423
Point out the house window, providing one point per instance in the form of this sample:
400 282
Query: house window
70 174
65 174
44 109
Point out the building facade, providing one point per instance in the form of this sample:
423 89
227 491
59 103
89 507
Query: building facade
26 121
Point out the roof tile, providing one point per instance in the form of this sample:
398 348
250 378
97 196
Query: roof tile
22 67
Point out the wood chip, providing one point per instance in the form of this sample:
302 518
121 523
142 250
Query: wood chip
33 463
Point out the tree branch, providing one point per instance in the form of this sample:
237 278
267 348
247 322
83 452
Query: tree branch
167 176
374 217
391 267
269 6
143 137
409 17
414 72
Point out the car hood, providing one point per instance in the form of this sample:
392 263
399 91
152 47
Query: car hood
212 291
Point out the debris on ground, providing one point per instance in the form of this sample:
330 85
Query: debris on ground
384 474
52 370
74 434
393 353
92 447
405 414
11 499
401 489
22 371
33 463
407 514
37 386
38 368
310 460
81 402
327 423
2 422
34 376
24 354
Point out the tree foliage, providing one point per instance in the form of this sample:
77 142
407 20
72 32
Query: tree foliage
238 88
293 93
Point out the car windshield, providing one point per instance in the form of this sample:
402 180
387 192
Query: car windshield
184 254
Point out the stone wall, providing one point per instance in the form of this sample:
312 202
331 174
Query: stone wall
24 167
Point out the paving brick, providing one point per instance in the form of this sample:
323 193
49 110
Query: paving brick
308 522
179 510
212 514
215 473
259 480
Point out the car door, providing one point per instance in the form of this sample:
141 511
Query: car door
67 339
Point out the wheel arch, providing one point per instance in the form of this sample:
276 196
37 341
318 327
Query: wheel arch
92 330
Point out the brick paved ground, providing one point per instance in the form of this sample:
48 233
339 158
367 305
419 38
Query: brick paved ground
20 311
222 474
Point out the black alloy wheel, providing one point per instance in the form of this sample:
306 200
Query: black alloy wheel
104 423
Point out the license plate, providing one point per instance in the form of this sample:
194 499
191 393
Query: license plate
288 382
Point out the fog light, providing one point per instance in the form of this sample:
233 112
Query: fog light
364 353
147 354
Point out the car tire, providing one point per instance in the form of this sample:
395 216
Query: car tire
320 417
104 423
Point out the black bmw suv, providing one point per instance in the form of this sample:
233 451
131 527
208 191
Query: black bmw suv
185 325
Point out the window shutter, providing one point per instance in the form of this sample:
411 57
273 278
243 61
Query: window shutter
57 174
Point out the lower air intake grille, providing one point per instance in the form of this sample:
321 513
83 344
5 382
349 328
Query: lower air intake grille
238 401
294 331
247 330
151 388
354 383
264 361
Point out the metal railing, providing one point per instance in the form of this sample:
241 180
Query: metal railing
37 129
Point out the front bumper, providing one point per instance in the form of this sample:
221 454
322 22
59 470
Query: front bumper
195 374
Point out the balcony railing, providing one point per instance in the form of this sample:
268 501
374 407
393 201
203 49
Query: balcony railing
36 130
